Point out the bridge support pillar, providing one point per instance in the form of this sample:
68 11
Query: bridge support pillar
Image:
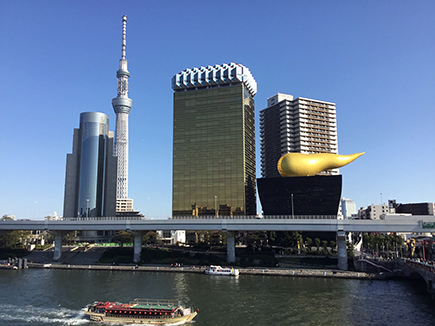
137 245
231 247
57 244
342 251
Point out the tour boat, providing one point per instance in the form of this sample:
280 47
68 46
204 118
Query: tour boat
141 311
218 270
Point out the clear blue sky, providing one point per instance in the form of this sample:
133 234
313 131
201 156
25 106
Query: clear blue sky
374 59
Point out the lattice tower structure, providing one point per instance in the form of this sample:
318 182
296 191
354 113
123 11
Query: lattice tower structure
122 106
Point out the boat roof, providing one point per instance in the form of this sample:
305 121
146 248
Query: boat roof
154 304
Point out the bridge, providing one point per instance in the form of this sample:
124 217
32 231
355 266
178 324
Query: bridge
419 269
229 225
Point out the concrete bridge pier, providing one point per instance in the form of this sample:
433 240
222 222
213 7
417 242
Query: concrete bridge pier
137 245
342 251
231 247
57 244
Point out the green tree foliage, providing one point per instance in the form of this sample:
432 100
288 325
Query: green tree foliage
287 239
271 236
386 242
309 242
317 242
69 237
14 239
332 244
350 249
123 237
216 238
254 239
151 237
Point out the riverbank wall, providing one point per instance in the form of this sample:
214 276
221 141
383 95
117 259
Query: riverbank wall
320 273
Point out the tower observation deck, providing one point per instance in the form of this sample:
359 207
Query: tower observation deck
122 106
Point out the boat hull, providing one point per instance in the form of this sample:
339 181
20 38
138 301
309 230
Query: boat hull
140 320
222 273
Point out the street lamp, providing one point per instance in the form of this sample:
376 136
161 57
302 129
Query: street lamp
215 206
293 213
87 207
148 207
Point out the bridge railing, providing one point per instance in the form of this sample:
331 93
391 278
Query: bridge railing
256 217
205 217
104 218
420 265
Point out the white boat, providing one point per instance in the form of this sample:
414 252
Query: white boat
218 270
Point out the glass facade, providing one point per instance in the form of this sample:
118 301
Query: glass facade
94 129
214 151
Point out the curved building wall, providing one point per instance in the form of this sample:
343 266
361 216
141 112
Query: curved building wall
94 127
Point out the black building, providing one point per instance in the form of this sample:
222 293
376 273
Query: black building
413 208
315 195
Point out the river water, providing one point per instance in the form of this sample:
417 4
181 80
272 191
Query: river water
57 297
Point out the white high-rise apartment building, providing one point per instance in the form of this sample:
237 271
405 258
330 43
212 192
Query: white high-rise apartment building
298 125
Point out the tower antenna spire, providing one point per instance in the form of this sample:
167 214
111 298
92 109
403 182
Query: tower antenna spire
124 35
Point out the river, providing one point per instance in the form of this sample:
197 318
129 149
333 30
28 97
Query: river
57 297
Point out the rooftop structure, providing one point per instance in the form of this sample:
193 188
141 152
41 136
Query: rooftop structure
213 77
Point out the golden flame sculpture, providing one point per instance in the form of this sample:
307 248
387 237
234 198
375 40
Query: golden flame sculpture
299 164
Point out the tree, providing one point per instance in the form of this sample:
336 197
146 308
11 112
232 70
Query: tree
350 249
216 238
69 237
250 239
14 239
151 237
123 237
332 244
299 241
325 245
271 236
309 243
285 239
317 242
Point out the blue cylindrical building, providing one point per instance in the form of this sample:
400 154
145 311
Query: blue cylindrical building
94 129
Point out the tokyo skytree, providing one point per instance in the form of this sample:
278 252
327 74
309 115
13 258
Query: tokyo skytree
122 107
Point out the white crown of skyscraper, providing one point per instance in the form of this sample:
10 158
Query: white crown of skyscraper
215 75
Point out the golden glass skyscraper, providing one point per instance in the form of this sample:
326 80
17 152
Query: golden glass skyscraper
214 142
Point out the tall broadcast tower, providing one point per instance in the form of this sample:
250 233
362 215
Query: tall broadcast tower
122 106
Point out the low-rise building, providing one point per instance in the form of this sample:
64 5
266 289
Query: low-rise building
413 208
373 212
172 237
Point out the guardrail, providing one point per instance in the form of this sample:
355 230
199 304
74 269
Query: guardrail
255 217
204 217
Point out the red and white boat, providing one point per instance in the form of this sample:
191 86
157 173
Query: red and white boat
141 311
